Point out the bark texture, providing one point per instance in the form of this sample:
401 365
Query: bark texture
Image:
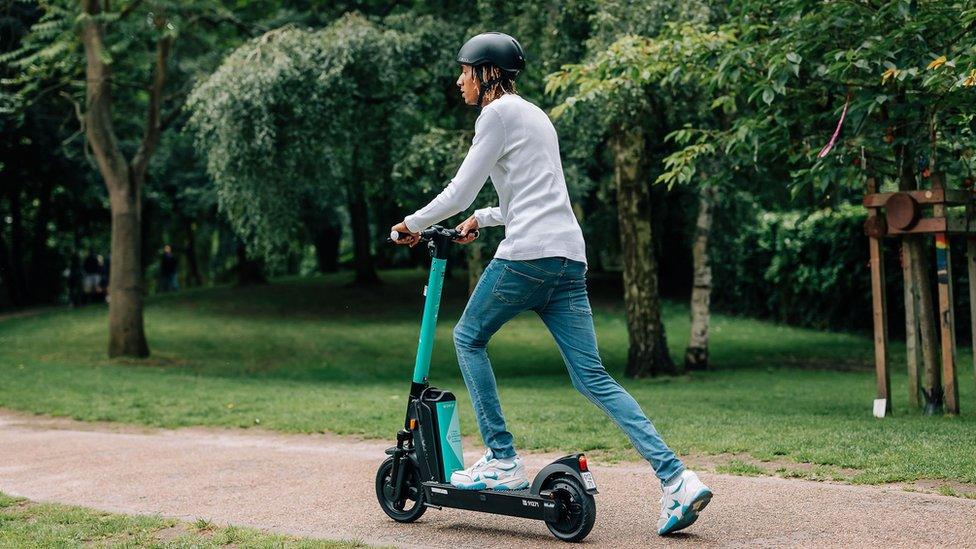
931 389
913 345
696 354
648 352
359 218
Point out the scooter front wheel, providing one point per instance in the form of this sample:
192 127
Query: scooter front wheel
579 509
410 504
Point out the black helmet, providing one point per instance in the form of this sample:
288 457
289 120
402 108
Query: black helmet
496 48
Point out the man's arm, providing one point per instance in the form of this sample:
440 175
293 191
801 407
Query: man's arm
486 148
489 217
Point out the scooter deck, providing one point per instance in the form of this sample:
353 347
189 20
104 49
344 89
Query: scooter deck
514 503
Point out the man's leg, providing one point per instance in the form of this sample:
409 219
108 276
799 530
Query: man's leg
500 294
570 320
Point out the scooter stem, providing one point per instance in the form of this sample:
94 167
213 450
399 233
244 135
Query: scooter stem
432 305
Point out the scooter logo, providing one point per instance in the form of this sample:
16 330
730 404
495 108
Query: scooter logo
450 432
528 503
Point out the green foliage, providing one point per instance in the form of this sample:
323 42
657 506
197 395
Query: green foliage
294 119
429 162
810 268
286 119
803 268
806 268
904 65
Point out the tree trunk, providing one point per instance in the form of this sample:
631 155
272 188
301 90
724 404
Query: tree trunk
931 372
193 277
327 236
913 344
126 332
648 351
385 212
696 355
123 179
362 257
931 377
359 217
250 272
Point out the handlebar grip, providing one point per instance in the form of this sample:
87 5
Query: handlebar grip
397 235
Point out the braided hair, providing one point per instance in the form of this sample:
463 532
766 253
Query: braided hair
492 83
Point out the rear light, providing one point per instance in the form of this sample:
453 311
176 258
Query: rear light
582 463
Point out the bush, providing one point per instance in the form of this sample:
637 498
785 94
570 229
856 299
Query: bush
811 269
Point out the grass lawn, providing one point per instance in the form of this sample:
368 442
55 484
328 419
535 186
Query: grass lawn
310 355
27 524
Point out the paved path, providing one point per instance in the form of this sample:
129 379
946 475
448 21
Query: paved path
322 486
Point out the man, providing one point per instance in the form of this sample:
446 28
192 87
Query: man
540 265
167 271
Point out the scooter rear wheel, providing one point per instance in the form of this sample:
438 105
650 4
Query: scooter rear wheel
411 505
580 509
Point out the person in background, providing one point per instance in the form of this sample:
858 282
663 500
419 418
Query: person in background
167 271
74 276
91 277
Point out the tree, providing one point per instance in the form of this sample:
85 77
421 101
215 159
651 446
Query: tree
897 72
279 142
623 106
123 178
622 84
111 62
299 117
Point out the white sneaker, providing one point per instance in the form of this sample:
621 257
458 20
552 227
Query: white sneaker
488 472
683 498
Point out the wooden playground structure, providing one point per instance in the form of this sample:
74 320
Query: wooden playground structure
898 214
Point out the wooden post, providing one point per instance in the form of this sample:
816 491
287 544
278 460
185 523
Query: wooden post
880 311
913 344
947 321
971 260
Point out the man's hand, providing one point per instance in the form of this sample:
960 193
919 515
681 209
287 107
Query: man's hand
411 239
467 229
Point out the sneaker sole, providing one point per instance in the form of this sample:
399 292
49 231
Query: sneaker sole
689 513
496 486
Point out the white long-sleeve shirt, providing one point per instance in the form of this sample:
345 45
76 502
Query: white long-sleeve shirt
515 143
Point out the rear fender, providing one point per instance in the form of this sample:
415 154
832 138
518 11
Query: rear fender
564 466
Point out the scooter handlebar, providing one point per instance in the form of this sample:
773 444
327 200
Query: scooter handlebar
430 232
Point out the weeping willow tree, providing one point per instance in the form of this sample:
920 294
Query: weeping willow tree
292 121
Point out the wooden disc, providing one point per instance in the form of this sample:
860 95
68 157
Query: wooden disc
902 211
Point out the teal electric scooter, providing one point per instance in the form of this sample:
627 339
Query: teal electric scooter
417 473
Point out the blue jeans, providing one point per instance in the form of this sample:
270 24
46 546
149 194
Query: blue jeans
555 288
